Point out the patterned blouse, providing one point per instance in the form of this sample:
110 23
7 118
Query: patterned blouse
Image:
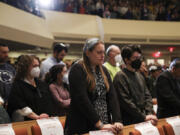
100 103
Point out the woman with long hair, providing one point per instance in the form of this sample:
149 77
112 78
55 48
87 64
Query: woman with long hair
29 96
94 103
59 88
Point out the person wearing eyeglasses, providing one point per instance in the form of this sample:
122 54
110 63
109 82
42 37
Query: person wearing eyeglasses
133 95
94 104
60 50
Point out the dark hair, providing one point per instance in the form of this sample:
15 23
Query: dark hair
128 51
58 47
37 58
177 65
3 45
23 65
51 76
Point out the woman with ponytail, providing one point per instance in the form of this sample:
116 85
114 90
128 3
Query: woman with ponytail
94 103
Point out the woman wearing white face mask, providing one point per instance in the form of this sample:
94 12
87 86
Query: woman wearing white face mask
59 89
29 97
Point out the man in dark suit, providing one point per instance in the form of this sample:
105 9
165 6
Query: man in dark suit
168 91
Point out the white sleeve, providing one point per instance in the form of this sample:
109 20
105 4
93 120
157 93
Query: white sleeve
25 111
1 100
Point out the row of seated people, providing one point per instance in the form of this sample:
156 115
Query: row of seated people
33 128
96 101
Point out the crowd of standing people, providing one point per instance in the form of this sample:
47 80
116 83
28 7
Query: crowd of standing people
94 94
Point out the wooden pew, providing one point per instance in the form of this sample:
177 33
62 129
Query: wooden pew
29 124
130 128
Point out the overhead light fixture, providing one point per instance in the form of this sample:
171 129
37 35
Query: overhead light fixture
157 54
45 3
171 49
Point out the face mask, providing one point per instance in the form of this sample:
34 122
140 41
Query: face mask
136 64
118 58
65 78
35 72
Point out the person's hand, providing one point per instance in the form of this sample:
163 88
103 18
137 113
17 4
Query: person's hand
66 103
1 103
152 118
119 126
144 70
154 100
43 115
109 127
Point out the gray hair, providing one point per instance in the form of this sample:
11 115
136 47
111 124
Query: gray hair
175 63
110 48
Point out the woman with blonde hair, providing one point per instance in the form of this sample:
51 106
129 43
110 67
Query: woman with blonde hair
94 103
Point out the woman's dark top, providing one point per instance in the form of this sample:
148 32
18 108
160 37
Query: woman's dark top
87 107
39 98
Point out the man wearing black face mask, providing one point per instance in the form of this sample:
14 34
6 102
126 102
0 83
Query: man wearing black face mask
59 52
168 91
134 97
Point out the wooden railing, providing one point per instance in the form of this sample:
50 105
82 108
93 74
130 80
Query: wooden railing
29 124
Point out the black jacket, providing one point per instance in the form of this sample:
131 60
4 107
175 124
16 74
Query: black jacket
39 99
82 116
168 95
7 73
133 96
